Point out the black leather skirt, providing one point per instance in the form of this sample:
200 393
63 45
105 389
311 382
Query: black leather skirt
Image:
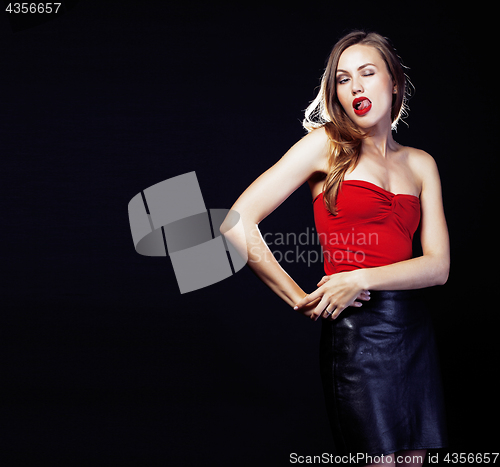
381 377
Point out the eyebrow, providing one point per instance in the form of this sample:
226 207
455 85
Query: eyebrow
359 68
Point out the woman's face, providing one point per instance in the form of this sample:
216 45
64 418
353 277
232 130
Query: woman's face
365 86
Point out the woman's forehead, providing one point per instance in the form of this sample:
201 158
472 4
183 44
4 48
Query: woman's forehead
358 55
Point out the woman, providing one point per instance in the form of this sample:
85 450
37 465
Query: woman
378 361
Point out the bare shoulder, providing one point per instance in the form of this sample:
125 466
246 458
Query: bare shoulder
317 136
419 158
315 147
422 164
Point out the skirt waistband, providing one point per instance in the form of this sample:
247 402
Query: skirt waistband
396 294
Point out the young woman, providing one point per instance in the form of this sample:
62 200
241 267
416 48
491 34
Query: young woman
378 361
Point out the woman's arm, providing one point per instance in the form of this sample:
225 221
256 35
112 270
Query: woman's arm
430 269
433 266
307 157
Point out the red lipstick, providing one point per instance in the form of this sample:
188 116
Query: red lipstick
361 105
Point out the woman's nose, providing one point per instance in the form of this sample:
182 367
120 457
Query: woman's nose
356 87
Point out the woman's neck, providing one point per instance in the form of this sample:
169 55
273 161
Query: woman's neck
379 141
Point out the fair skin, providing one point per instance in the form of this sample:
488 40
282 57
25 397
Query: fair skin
361 73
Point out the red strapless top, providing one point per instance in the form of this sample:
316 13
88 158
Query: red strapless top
373 227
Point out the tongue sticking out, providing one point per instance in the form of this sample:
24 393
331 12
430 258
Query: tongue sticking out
363 104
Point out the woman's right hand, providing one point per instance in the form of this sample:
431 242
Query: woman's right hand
307 310
363 296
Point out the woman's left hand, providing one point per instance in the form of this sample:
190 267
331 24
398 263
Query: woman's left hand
335 294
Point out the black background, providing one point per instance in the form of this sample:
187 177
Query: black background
104 361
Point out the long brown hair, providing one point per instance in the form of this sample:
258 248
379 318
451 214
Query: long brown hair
326 111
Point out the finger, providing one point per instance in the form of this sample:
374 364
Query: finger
318 311
327 312
356 304
330 313
336 313
323 280
364 295
307 299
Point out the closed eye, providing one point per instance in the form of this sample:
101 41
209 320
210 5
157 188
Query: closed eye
345 79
